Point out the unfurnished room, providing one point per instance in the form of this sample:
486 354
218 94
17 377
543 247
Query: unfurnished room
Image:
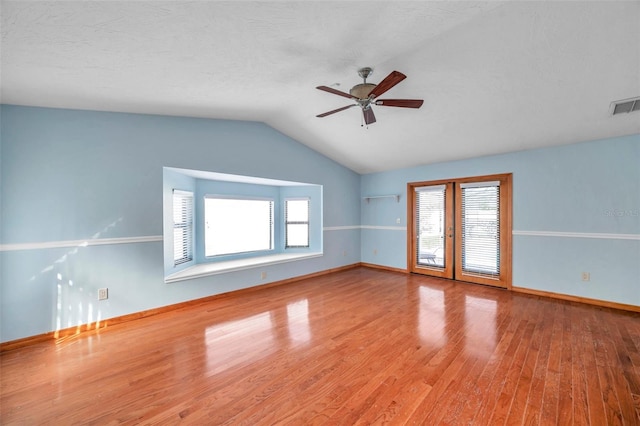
319 212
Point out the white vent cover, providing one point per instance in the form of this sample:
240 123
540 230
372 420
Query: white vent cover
625 105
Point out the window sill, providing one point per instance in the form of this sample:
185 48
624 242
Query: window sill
206 269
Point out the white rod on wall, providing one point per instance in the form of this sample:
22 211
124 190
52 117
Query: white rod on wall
396 196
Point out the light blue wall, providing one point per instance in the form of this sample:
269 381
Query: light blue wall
98 177
581 190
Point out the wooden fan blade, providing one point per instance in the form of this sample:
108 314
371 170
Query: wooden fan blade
402 103
334 111
389 81
369 116
335 92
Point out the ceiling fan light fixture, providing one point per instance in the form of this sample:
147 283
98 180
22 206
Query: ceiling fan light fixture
362 90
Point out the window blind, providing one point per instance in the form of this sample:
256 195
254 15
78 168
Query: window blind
182 226
481 228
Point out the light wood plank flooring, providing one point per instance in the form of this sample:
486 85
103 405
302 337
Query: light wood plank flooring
360 346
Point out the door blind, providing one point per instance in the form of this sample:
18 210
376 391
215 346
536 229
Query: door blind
481 228
182 226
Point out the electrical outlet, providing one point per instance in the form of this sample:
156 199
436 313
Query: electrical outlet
344 252
586 276
263 275
103 293
398 220
375 252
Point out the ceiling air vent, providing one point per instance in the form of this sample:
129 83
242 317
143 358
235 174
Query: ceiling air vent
625 105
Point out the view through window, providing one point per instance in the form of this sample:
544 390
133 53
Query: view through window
235 225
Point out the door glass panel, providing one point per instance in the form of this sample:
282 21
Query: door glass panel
481 229
430 223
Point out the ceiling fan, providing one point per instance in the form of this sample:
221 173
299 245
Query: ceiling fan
366 94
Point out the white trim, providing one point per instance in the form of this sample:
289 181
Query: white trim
237 197
157 238
226 177
386 228
79 243
578 235
340 228
214 268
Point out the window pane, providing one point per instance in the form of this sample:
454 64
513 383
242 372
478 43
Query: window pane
297 223
297 210
237 225
297 235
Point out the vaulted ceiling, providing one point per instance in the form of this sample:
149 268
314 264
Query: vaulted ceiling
495 76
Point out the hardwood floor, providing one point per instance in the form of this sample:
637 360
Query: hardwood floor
360 346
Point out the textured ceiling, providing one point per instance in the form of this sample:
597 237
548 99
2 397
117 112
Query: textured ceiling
495 76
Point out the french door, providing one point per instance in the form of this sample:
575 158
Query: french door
461 229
